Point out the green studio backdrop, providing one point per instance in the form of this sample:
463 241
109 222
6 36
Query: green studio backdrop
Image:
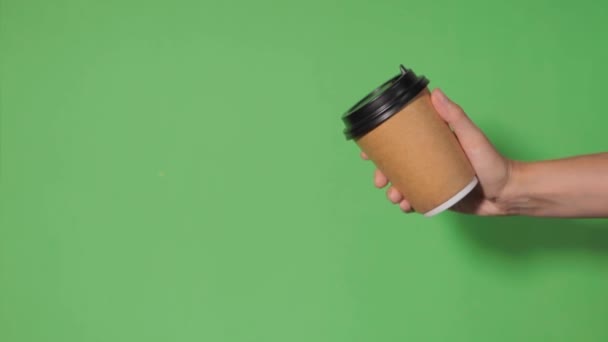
176 171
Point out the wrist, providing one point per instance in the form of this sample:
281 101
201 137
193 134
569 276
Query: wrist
512 199
526 191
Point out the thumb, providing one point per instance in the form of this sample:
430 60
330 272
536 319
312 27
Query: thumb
449 111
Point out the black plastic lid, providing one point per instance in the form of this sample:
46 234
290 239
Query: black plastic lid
382 103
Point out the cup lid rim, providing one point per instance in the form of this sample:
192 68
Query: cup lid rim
382 103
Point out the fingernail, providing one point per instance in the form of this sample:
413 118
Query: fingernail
393 195
406 208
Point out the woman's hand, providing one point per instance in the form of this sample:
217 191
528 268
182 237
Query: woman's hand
492 169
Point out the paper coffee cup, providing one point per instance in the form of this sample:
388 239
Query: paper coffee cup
397 126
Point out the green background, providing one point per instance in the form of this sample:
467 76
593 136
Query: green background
176 171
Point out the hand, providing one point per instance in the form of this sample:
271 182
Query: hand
492 169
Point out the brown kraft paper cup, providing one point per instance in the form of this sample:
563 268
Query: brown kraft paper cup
399 129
